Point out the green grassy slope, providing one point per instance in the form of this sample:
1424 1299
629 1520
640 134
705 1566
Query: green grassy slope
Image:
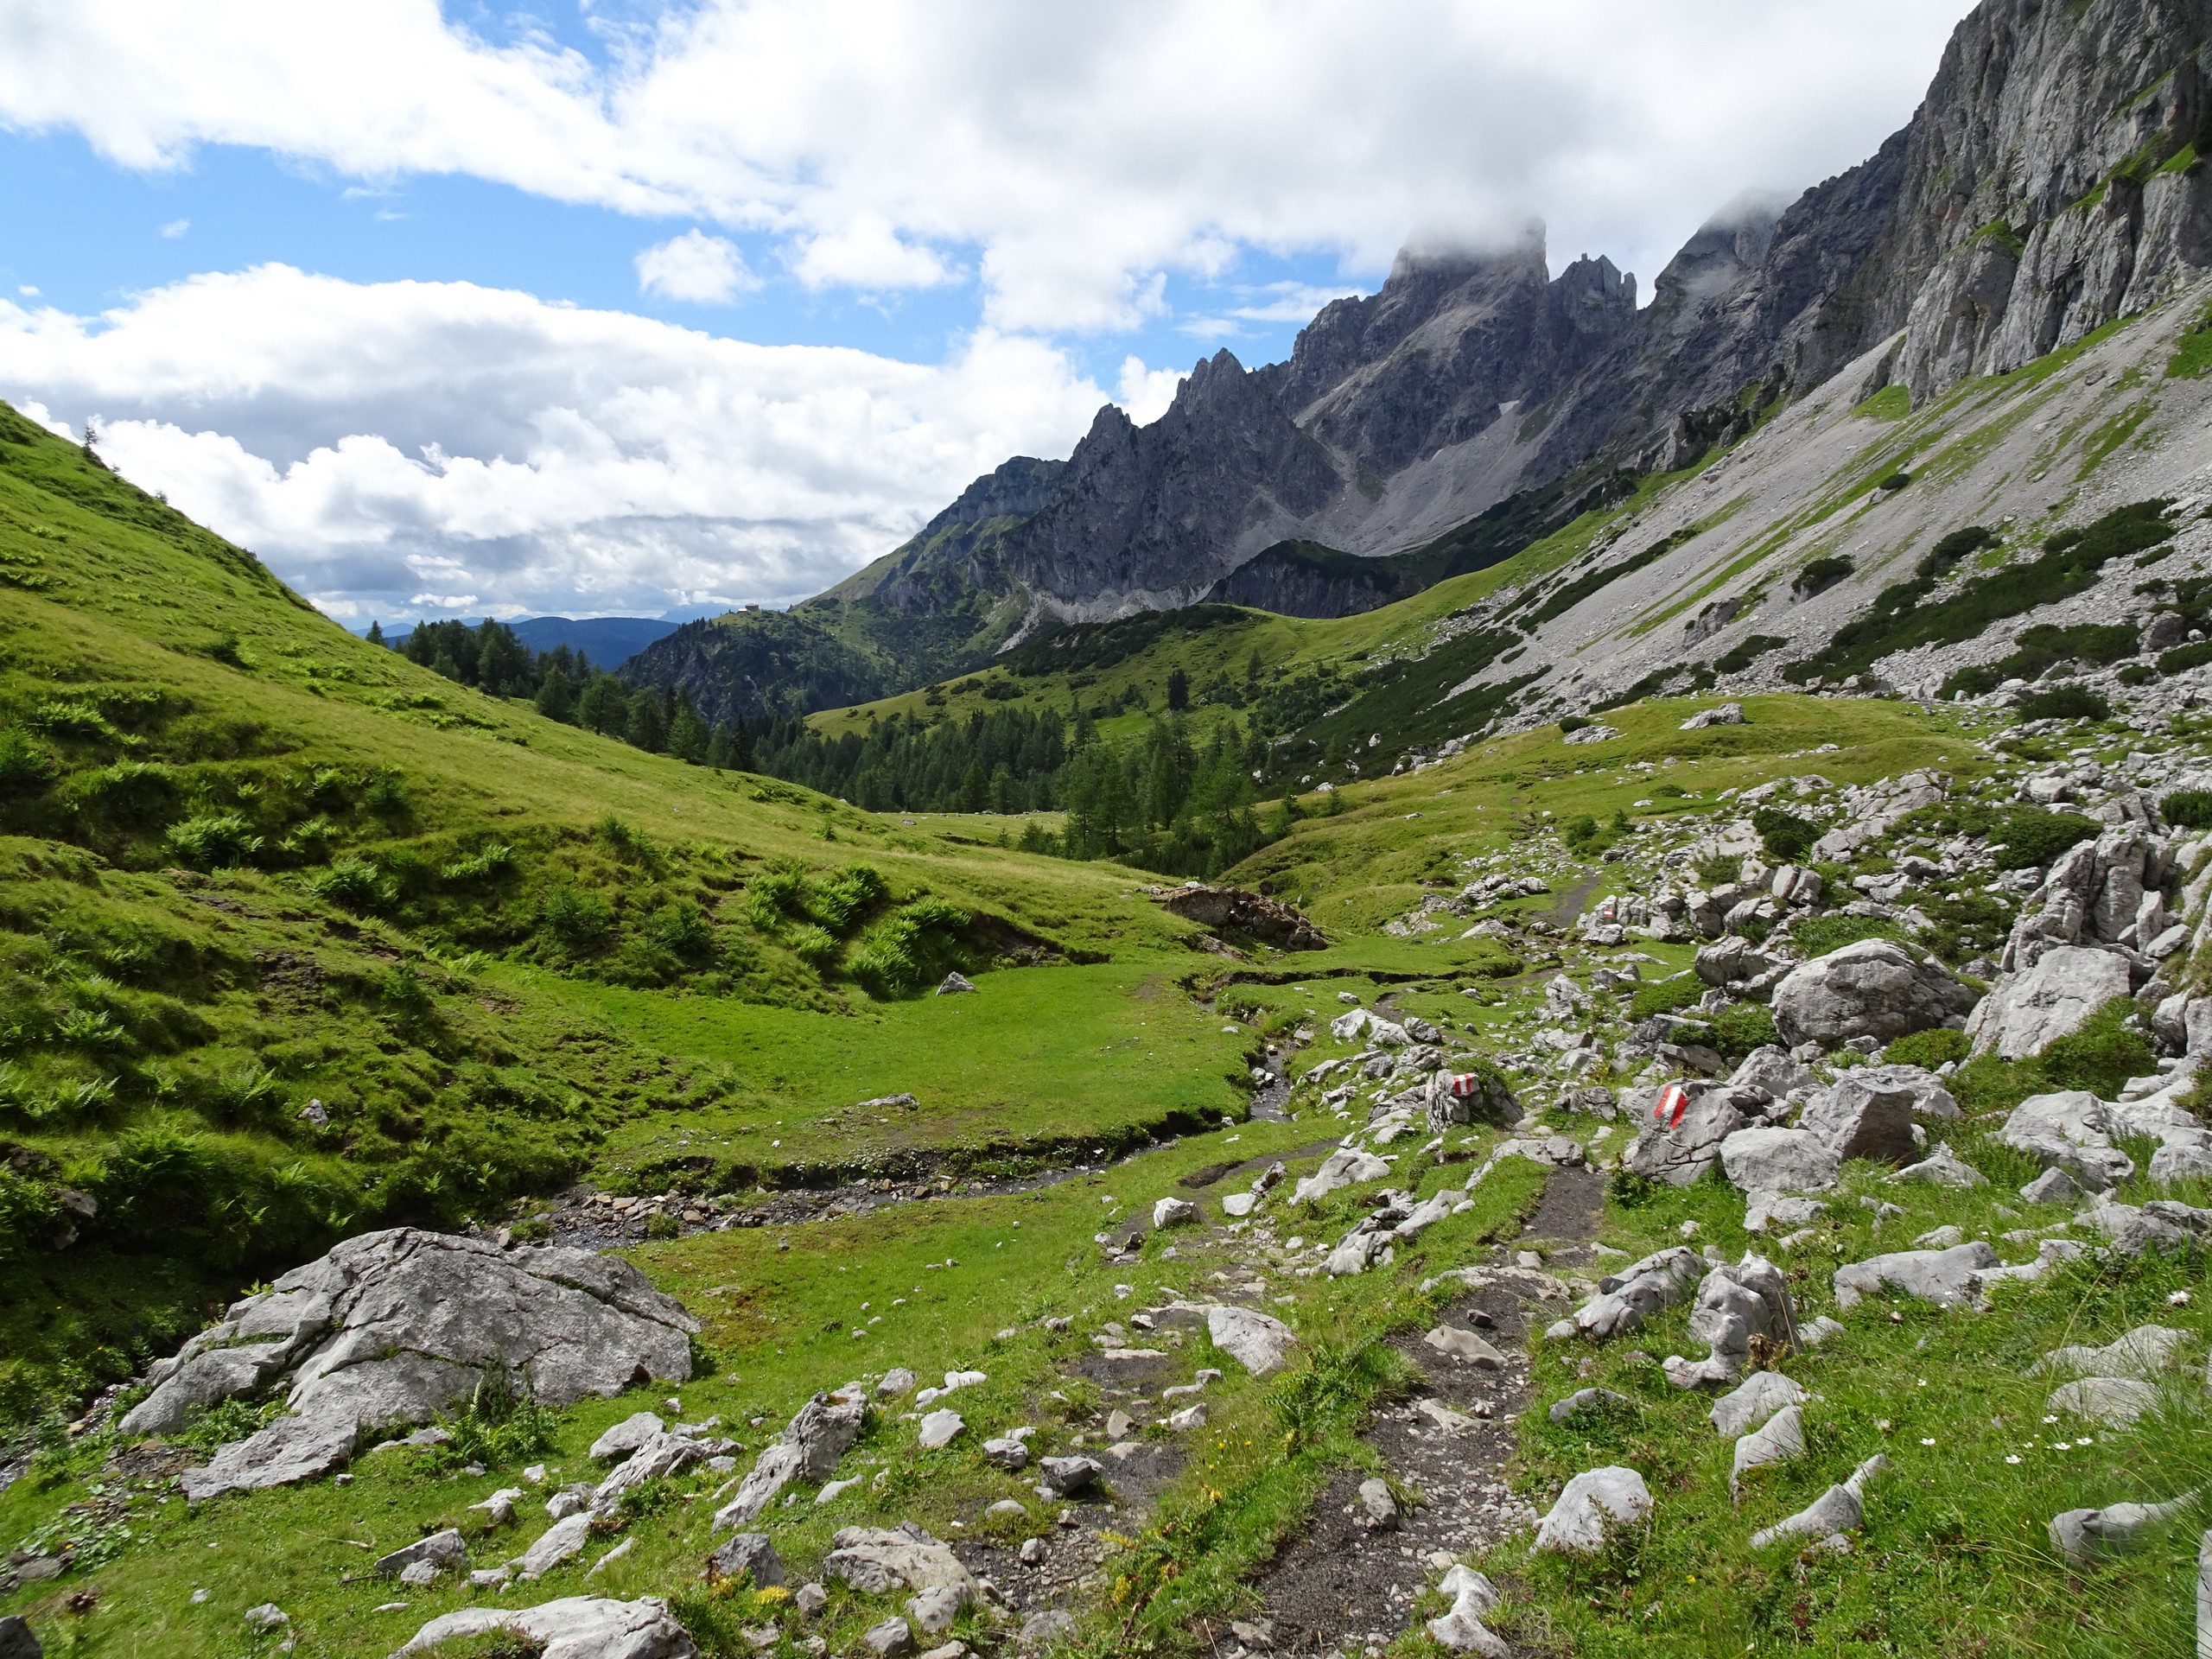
248 863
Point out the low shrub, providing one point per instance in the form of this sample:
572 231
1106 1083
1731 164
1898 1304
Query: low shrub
2064 703
2182 658
1786 836
1820 575
213 840
354 884
913 948
1665 995
2188 809
1817 935
1928 1049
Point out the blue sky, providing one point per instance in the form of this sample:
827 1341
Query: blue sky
612 309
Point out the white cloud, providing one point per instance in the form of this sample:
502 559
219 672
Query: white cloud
398 446
1145 393
695 266
175 228
1067 154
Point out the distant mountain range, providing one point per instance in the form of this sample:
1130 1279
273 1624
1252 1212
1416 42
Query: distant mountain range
2049 184
608 641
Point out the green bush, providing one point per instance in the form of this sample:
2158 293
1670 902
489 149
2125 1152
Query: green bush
2137 674
2182 658
1665 995
1720 870
2043 647
1820 575
2064 703
1786 836
495 860
841 900
774 895
2027 839
577 917
2101 1057
213 840
1738 1030
1742 655
30 1214
1894 482
1579 831
817 947
498 1427
129 792
2188 809
25 769
352 884
1571 723
1928 1049
913 948
682 929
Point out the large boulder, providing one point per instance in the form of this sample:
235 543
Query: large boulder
1680 1146
394 1327
2048 1001
1591 1507
1233 911
876 1560
2070 1130
1735 1306
1863 1119
1874 988
1778 1161
1259 1342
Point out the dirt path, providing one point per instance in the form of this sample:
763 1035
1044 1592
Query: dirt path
1344 1587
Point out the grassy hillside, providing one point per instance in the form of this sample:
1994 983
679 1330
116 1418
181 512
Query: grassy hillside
249 862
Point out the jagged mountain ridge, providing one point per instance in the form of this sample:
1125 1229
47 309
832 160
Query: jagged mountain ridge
2046 186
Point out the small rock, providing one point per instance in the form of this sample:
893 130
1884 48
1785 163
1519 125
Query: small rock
952 985
626 1436
267 1617
1032 1551
1586 1402
1174 1212
1465 1346
1378 1509
1760 1395
893 1637
932 1610
1189 1418
434 1553
611 1557
2054 1185
1066 1476
748 1553
1779 1439
897 1380
1118 1424
939 1427
17 1641
1046 1629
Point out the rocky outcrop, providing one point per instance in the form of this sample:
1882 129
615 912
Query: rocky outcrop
1875 987
1237 913
392 1327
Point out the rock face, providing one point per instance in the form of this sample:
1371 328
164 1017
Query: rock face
2029 1010
1874 988
575 1627
1232 909
393 1327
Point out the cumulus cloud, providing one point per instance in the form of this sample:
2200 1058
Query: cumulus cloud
1146 393
398 447
707 270
175 228
1068 155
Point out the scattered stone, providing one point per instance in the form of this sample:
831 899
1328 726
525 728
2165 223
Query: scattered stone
876 1560
932 1610
2141 1353
1046 1629
662 1455
1232 909
1863 1120
1734 1306
1190 1417
626 1436
824 1430
747 1553
268 1616
1767 1210
1585 1401
2050 999
1780 1437
1346 1166
896 1381
1944 1277
892 1637
1032 1551
1591 1505
1642 1288
939 1427
2115 1402
563 1539
2087 1537
439 1552
1941 1168
812 1599
1008 1452
1257 1341
954 984
499 1508
1728 713
1754 1401
575 1627
1174 1212
1834 1512
1462 1628
1465 1346
611 1557
1238 1203
1066 1476
1778 1161
2070 1131
1378 1510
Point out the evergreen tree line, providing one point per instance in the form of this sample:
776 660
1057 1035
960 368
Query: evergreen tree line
563 685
